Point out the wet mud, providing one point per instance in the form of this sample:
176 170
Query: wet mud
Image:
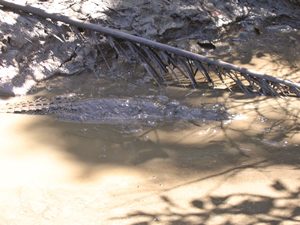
38 49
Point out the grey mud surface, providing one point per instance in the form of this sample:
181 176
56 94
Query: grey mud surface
243 170
33 49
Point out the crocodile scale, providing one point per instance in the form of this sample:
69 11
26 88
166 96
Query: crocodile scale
36 105
116 110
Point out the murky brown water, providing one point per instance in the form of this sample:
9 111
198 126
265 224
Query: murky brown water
109 172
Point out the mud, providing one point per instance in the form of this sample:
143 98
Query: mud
38 49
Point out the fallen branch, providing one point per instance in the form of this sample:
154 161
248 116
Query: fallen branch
164 62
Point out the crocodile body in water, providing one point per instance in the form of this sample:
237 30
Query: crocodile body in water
116 110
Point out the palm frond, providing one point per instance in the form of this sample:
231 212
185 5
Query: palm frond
173 66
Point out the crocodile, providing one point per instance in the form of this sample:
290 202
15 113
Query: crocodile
116 110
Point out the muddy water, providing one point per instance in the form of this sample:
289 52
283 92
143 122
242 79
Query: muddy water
69 172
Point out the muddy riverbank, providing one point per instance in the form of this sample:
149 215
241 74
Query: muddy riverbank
33 49
238 170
